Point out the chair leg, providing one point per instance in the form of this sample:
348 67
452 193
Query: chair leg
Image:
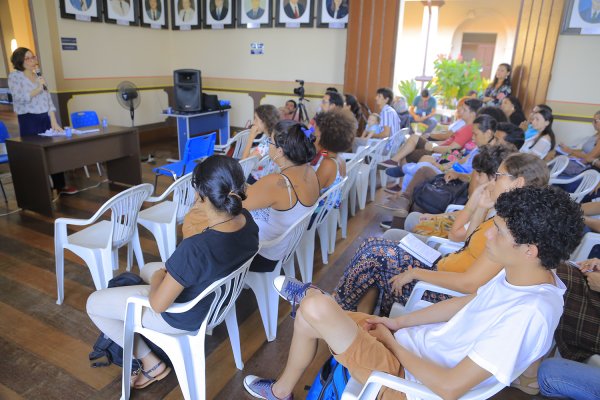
344 218
323 231
233 331
306 255
59 255
137 249
267 298
87 172
3 192
128 337
99 169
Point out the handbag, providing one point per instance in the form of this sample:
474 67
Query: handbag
435 195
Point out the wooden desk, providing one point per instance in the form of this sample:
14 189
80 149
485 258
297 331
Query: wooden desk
33 159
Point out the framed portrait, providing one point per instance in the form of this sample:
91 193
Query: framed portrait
332 13
81 10
294 13
154 14
122 12
185 14
582 17
219 14
254 14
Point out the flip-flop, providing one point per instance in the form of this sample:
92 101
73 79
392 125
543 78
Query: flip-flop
523 383
152 379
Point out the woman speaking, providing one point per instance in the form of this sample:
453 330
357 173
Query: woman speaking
32 103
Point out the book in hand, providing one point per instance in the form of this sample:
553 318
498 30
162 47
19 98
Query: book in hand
419 250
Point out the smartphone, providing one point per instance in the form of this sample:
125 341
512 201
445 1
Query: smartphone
575 265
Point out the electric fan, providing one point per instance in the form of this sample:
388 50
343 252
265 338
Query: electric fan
128 97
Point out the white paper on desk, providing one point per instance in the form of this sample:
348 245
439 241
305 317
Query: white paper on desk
419 250
52 132
82 131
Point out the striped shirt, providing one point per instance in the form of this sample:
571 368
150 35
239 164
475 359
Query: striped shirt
390 118
20 88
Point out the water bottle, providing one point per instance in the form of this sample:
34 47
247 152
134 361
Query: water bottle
104 123
68 132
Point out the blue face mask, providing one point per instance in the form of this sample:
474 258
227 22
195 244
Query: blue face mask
530 132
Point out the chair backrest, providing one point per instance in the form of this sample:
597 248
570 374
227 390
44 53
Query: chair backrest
327 201
589 181
248 165
351 174
396 141
266 162
3 136
377 153
292 236
557 165
124 208
226 291
199 146
239 142
359 157
81 119
184 196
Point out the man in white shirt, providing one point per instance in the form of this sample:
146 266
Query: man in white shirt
389 117
455 345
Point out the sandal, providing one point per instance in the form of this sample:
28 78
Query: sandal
523 383
151 379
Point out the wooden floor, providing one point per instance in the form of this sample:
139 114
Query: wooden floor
45 346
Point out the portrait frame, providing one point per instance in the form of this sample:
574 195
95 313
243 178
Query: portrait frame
283 20
163 19
129 17
325 18
577 22
177 21
70 10
244 19
226 22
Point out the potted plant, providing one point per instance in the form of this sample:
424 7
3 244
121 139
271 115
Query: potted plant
455 78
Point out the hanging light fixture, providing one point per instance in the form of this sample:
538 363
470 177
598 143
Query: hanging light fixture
13 45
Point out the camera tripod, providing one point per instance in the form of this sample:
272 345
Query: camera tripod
301 115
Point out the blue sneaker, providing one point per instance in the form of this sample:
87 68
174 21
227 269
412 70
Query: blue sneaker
262 388
292 290
395 172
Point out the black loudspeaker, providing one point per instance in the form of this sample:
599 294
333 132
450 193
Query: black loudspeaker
187 88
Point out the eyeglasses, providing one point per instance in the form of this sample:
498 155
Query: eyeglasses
497 174
31 58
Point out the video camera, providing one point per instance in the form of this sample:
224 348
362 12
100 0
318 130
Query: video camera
299 91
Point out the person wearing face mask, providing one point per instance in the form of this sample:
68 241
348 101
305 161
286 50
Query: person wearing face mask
380 268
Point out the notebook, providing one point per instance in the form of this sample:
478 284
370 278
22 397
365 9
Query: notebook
419 250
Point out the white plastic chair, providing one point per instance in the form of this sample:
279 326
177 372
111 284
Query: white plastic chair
348 194
589 180
239 142
367 175
186 351
378 379
557 165
261 283
395 143
248 165
355 158
588 242
98 243
162 219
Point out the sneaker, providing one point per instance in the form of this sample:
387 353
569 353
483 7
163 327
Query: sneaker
262 388
68 190
386 225
387 164
292 290
393 189
395 172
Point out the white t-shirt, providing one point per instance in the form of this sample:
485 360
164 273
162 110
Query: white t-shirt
541 148
456 125
503 329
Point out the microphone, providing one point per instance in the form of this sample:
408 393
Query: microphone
38 72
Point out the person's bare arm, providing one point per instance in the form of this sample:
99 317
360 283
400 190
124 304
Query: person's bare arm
442 149
440 135
411 111
326 172
164 289
261 194
591 208
251 136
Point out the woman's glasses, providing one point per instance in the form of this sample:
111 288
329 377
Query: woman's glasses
498 174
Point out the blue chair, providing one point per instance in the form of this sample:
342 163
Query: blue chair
196 148
83 119
3 156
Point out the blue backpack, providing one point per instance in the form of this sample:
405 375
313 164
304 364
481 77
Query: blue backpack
330 382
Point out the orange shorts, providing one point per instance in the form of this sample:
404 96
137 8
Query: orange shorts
366 354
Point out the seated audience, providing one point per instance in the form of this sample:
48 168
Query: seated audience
590 151
265 118
389 117
453 127
511 106
380 268
373 126
494 112
289 111
461 343
331 100
228 238
500 86
545 140
277 200
422 111
509 133
399 104
350 103
577 338
526 125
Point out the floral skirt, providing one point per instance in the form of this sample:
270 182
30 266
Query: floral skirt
376 261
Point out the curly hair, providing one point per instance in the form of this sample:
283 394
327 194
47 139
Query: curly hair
337 129
546 217
269 115
490 157
530 167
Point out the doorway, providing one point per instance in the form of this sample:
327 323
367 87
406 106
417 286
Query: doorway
479 46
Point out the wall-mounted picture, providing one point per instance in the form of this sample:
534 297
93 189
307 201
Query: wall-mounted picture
122 12
582 17
332 13
81 10
294 13
154 14
219 14
254 14
186 14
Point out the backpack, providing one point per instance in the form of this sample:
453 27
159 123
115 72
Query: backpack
436 194
105 351
330 382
